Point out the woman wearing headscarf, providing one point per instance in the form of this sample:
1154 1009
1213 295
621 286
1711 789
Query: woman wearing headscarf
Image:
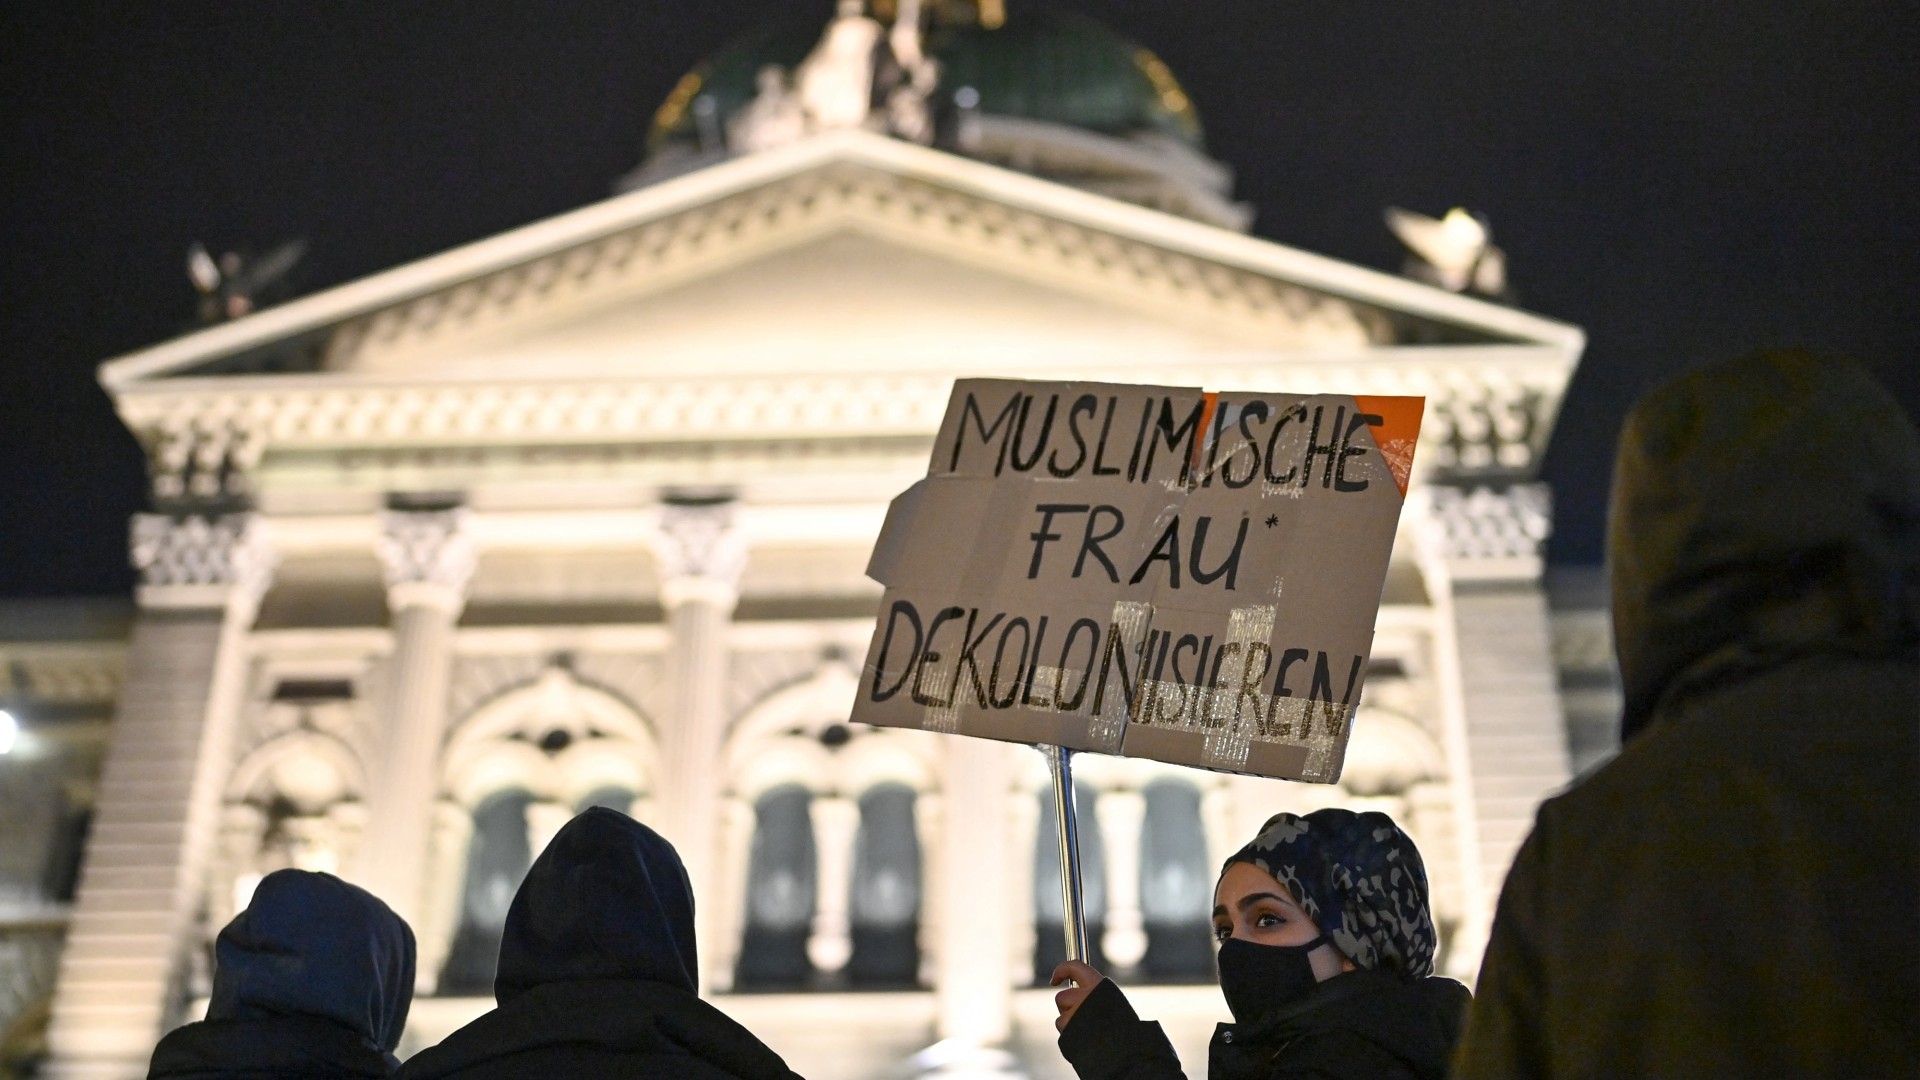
598 977
1326 962
312 981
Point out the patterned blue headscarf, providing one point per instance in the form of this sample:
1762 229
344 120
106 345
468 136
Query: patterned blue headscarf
1361 880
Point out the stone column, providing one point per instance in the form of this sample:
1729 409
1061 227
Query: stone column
429 557
836 824
701 554
929 821
1121 815
1505 730
974 984
445 882
157 821
729 904
1023 834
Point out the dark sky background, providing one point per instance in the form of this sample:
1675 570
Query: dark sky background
1685 180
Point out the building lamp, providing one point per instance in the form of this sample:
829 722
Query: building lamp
9 731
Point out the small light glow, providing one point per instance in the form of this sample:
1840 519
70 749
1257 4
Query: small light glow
9 731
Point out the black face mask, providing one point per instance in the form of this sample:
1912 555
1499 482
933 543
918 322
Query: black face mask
1257 979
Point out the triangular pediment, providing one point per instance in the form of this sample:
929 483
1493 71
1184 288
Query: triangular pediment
846 253
845 300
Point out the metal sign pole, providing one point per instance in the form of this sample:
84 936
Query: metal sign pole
1060 764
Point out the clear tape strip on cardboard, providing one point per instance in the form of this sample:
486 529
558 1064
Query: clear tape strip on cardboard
1221 714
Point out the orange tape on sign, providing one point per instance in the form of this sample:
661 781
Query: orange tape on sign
1206 428
1398 430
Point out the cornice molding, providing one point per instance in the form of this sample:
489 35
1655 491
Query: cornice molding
1489 410
62 673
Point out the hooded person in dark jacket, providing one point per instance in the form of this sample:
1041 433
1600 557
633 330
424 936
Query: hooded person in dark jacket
1326 962
312 981
1733 895
598 977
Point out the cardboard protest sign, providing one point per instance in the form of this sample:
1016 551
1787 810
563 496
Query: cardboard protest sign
1143 570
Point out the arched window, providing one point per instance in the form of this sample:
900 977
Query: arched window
613 798
497 861
780 893
1050 946
1175 885
885 901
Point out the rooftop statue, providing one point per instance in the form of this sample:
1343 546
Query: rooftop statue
235 284
838 83
835 81
775 116
1455 252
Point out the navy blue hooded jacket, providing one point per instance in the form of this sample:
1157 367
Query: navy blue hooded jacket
312 980
598 976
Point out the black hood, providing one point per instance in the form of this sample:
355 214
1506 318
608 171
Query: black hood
607 899
1764 509
312 945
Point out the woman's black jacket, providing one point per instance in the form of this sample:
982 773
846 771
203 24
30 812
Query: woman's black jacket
1361 1024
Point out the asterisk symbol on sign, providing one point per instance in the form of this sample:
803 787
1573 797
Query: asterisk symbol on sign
1272 520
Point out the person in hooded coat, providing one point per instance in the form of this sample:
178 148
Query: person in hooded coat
312 981
1733 894
598 975
1326 962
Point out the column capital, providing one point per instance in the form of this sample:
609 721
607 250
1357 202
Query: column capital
195 561
1483 533
428 557
701 553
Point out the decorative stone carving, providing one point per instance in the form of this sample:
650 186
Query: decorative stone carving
701 553
197 561
1489 424
1483 525
428 557
204 456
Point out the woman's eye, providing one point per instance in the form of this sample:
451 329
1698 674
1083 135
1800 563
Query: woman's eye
1222 933
1264 921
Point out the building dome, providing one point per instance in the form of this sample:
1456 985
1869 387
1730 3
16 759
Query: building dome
1046 92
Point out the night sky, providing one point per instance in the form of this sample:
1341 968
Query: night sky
1685 180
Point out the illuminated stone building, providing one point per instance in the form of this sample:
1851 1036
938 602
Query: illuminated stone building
578 515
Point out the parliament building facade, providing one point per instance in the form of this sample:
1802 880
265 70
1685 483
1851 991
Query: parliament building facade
578 515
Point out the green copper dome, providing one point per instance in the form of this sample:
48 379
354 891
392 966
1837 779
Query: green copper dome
1043 65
